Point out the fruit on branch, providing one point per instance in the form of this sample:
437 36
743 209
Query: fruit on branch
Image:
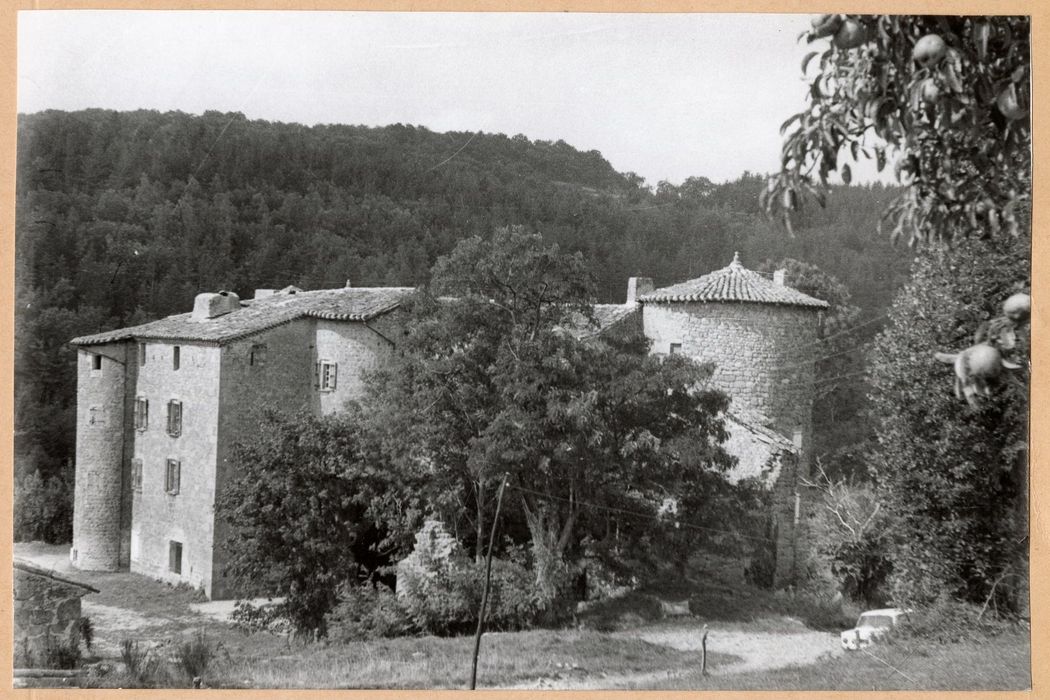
974 368
850 35
929 50
1009 105
825 25
930 91
1018 307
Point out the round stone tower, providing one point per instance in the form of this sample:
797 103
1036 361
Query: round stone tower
100 458
760 335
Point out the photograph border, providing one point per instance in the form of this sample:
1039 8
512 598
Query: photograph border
1039 442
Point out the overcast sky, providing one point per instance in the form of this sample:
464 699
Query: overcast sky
666 95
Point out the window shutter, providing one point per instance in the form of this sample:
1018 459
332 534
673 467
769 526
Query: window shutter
317 375
138 414
178 476
174 418
145 413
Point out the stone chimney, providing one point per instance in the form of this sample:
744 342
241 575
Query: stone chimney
636 287
211 305
778 277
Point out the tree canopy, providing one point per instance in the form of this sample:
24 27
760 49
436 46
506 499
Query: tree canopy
496 383
945 99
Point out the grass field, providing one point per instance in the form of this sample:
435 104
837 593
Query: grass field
999 663
625 643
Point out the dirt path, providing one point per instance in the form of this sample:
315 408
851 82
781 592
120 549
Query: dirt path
758 651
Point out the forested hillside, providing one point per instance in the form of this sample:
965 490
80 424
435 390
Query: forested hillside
124 216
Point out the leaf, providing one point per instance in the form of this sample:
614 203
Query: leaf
847 174
880 159
809 57
854 149
788 122
981 31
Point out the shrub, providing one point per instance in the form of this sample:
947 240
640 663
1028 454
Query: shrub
367 611
43 508
440 589
195 655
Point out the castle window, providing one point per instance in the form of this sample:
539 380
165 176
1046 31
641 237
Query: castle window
142 354
174 418
257 355
175 357
141 413
172 477
326 375
676 349
96 363
136 474
174 557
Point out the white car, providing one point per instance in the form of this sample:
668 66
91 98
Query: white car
870 626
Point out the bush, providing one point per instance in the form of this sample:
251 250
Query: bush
43 508
439 588
195 655
367 611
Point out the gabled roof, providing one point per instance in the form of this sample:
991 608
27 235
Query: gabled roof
733 283
255 315
606 316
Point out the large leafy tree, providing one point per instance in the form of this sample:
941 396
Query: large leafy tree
954 478
311 505
499 381
944 98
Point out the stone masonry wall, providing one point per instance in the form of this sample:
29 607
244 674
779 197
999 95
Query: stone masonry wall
159 518
762 355
99 458
284 380
46 612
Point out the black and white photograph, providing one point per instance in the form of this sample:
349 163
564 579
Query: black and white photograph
522 350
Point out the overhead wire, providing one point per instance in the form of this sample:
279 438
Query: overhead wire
634 513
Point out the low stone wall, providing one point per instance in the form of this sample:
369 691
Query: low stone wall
47 611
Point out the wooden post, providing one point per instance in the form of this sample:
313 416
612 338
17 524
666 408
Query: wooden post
485 590
703 652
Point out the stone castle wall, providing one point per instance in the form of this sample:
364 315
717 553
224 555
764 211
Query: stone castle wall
762 355
159 518
99 458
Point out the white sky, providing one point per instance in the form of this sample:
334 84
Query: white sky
665 95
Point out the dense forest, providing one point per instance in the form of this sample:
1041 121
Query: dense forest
123 217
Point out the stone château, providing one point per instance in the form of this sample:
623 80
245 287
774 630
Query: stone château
161 405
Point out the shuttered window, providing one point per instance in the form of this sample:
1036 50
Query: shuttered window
172 477
325 375
141 413
174 418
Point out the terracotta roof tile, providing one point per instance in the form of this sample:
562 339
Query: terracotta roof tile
733 283
255 315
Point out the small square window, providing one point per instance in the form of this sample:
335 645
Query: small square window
172 477
676 349
174 418
257 355
141 413
175 357
174 557
142 354
136 474
96 363
326 375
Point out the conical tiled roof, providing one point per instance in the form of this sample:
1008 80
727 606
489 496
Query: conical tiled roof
733 283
